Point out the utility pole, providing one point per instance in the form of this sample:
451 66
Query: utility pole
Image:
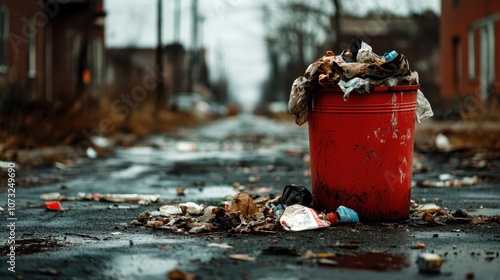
194 15
177 20
160 98
193 66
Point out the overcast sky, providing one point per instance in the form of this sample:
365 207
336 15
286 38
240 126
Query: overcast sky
232 32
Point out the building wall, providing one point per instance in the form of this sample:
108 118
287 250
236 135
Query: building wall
67 40
19 14
457 18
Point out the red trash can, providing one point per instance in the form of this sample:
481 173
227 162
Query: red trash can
362 151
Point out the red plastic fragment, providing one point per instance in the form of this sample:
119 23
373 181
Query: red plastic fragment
53 205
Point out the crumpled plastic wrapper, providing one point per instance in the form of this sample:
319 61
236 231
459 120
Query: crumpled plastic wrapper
297 105
361 74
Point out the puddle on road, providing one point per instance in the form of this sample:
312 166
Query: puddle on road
140 266
131 172
376 261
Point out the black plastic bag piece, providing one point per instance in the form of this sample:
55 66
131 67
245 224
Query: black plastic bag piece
355 46
296 194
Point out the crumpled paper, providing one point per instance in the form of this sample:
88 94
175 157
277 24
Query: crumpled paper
361 75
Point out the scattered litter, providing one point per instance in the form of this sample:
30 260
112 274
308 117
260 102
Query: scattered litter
350 245
142 199
242 257
180 191
91 153
447 180
242 203
167 210
1 209
179 219
311 255
444 177
116 233
54 206
275 206
278 210
192 208
296 194
253 179
164 247
177 274
220 245
48 271
262 190
298 218
185 146
420 245
327 262
443 143
53 196
122 207
429 263
200 229
429 208
346 215
101 142
431 214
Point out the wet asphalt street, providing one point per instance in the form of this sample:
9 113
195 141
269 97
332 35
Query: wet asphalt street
94 239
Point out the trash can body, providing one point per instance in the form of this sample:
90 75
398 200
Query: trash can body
362 151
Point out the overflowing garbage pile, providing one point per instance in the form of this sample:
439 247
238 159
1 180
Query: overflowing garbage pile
356 69
245 214
290 211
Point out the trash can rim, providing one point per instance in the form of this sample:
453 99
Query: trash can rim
379 88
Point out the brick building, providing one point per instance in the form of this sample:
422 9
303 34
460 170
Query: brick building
470 48
51 49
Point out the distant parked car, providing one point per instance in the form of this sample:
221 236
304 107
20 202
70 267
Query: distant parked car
217 109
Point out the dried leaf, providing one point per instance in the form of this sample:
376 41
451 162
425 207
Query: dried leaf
244 204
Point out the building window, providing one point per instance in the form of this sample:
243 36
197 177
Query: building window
471 55
3 38
32 50
98 61
487 59
457 55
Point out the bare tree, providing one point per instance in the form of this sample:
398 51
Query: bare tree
297 31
